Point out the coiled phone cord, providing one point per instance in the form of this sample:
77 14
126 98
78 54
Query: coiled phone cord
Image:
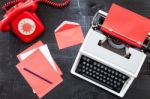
51 3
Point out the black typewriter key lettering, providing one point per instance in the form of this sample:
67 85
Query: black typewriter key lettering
98 65
112 72
105 73
87 64
101 74
94 75
108 78
115 82
90 74
84 58
120 75
87 72
124 77
116 73
94 71
97 77
115 86
116 78
90 70
111 80
118 84
91 66
95 68
83 67
97 73
111 84
109 75
88 60
104 77
102 71
86 68
109 70
119 80
98 69
123 81
102 67
105 68
94 63
83 70
108 82
84 62
104 80
100 79
112 76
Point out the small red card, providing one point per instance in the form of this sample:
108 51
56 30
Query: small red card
44 49
37 44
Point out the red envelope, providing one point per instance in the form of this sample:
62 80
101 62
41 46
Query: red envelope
38 64
68 34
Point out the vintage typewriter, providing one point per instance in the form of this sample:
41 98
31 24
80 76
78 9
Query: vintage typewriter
114 50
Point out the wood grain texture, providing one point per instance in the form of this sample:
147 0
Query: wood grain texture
13 85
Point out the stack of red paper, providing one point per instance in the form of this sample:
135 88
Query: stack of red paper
39 69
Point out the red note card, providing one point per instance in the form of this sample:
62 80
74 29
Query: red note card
38 64
68 34
37 44
45 51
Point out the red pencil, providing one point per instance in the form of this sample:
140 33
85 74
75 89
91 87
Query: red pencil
29 71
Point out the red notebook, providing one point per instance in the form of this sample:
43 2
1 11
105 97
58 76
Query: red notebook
38 64
126 25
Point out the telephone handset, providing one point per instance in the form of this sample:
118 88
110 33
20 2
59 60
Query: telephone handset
22 20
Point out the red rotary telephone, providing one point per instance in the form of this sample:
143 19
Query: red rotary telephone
22 20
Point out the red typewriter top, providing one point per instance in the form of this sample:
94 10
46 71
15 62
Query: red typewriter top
126 25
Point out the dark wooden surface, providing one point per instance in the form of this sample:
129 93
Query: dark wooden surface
12 84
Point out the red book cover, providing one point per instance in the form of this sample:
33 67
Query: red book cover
126 25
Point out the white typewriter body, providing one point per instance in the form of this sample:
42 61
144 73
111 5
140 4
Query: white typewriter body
129 67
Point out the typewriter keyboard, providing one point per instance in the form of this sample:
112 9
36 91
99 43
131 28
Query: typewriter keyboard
101 74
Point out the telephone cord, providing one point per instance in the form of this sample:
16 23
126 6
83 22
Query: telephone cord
51 3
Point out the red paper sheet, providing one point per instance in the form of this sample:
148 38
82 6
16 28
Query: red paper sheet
37 44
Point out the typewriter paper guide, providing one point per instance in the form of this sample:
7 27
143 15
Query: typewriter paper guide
126 25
